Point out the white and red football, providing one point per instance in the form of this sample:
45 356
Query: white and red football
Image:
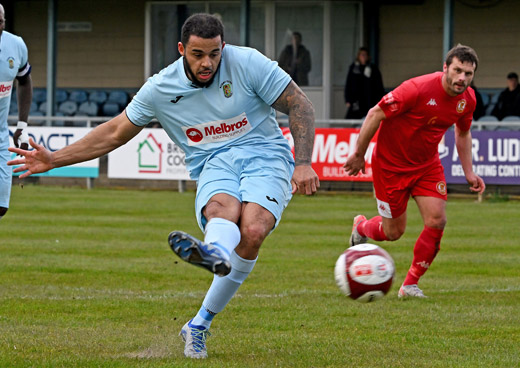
365 272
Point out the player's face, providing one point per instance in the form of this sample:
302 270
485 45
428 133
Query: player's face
458 76
201 58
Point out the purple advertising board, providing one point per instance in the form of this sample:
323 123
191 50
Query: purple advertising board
496 157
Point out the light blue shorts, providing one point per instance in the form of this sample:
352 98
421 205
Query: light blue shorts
260 177
5 178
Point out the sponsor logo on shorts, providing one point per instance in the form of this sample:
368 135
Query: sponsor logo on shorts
5 89
461 106
271 199
384 209
441 187
217 131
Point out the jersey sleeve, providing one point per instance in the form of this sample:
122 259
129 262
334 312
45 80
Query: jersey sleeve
24 67
267 78
141 110
400 100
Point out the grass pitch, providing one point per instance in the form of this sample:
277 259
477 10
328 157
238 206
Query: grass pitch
87 280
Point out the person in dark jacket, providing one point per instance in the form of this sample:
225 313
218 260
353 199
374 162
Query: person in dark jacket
364 87
295 59
509 100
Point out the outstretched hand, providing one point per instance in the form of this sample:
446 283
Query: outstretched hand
33 162
305 180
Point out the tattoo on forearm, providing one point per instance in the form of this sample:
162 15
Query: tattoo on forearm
297 106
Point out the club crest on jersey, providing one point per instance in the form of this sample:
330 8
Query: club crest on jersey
461 106
441 188
226 88
10 61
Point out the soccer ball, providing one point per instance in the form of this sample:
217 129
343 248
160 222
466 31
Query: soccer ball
365 272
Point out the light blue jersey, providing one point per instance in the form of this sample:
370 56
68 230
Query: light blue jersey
235 110
13 63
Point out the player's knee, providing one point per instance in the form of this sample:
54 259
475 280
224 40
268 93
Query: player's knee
3 211
393 234
438 222
253 235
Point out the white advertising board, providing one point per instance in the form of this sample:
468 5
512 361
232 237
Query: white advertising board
149 155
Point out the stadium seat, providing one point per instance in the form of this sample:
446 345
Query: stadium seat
78 96
58 122
34 120
489 119
88 108
34 107
39 95
485 98
119 97
511 118
99 97
61 96
68 108
111 109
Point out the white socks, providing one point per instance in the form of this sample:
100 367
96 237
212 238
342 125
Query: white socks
224 234
223 289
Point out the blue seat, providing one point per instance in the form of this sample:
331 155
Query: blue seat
119 97
61 95
68 108
78 96
39 95
99 97
511 118
34 107
88 108
111 109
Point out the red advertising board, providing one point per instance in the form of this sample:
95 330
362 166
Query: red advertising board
332 146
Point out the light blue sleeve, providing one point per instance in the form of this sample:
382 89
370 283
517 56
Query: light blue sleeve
141 110
24 58
268 79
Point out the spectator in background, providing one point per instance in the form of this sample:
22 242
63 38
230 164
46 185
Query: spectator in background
509 100
364 87
480 109
295 59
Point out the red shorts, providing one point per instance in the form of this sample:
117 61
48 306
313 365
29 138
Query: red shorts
393 190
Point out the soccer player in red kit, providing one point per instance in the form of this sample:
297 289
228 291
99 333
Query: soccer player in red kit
412 120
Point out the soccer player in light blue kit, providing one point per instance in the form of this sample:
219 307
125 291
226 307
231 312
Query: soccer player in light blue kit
13 65
218 104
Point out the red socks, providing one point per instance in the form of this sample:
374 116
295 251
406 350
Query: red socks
424 252
372 228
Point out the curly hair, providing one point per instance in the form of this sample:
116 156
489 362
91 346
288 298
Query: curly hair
202 25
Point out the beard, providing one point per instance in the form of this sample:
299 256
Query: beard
453 86
193 77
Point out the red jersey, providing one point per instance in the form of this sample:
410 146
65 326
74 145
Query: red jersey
418 113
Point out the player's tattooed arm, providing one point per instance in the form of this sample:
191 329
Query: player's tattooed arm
298 107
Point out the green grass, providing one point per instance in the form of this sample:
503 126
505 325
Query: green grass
87 280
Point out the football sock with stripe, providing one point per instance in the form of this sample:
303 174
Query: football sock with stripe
223 289
426 248
372 229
